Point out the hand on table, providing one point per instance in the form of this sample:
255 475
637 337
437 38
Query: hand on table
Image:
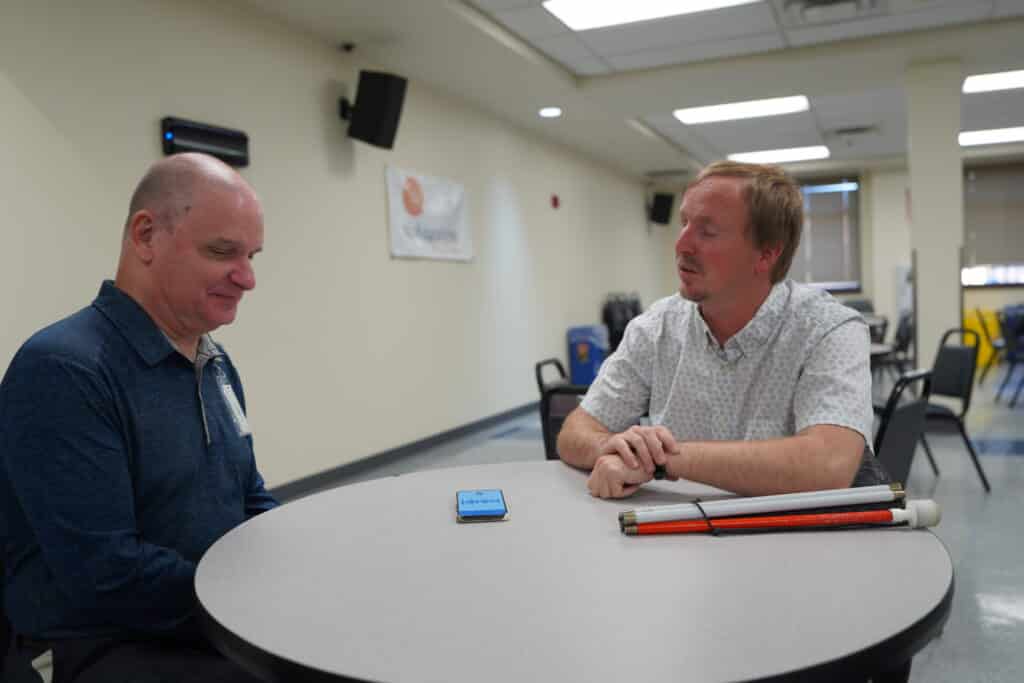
627 459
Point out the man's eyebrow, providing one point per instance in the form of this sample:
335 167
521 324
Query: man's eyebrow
225 242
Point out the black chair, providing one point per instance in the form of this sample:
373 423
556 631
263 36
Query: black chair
902 423
1010 327
998 345
556 402
878 325
953 375
898 359
538 372
558 398
861 305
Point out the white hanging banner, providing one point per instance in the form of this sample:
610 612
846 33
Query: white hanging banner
427 217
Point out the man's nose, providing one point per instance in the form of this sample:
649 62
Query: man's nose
684 243
244 276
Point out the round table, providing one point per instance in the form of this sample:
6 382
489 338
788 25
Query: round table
376 581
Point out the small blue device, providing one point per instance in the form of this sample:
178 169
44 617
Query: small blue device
481 505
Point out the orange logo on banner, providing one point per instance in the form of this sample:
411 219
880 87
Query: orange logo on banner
412 196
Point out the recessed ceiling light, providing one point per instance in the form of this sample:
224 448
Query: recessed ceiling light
550 112
782 156
580 15
743 110
1004 80
993 136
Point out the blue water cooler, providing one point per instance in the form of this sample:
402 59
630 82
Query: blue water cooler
588 347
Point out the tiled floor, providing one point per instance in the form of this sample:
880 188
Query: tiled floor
984 637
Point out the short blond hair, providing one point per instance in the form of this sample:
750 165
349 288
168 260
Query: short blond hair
775 204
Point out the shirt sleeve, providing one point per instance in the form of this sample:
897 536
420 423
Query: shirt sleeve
621 393
69 468
835 385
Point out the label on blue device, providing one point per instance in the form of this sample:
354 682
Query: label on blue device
481 505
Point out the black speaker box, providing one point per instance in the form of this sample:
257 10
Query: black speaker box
661 208
182 135
374 118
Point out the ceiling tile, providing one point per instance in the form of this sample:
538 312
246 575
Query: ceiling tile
686 136
703 26
590 66
860 109
532 23
790 12
495 5
907 6
1003 109
888 24
564 48
884 143
1008 8
696 52
769 132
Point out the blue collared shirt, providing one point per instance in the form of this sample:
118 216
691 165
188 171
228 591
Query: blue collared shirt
121 462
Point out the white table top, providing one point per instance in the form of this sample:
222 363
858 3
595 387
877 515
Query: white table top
377 581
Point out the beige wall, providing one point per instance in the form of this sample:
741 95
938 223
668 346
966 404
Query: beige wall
890 237
991 299
344 351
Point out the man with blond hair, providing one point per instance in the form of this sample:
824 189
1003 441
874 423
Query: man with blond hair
753 383
125 451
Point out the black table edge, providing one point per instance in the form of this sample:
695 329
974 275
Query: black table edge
887 654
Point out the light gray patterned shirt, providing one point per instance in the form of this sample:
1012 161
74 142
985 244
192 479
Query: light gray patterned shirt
802 360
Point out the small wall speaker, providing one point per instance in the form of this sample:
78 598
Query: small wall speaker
182 135
661 208
374 117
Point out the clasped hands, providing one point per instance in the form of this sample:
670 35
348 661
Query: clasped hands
627 459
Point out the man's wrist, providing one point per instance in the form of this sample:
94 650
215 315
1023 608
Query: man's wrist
676 465
597 448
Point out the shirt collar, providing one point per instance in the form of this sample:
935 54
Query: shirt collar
138 328
767 319
756 332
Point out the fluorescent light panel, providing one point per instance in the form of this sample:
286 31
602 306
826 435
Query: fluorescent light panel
581 15
993 136
827 189
782 156
1004 80
750 109
550 112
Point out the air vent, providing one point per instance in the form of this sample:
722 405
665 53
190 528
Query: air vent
810 12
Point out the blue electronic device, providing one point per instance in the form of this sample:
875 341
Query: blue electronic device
481 505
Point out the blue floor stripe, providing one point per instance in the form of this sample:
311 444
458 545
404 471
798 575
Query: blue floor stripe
520 432
997 446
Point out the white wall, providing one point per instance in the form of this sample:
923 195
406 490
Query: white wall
344 352
890 237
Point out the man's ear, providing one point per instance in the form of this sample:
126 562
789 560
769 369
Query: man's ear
767 258
141 231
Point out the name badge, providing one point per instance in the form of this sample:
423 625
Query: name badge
234 407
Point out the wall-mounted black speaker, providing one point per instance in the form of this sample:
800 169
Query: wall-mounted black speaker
181 135
374 117
661 208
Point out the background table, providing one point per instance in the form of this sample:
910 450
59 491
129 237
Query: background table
376 581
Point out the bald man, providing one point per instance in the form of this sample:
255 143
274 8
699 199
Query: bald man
125 451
